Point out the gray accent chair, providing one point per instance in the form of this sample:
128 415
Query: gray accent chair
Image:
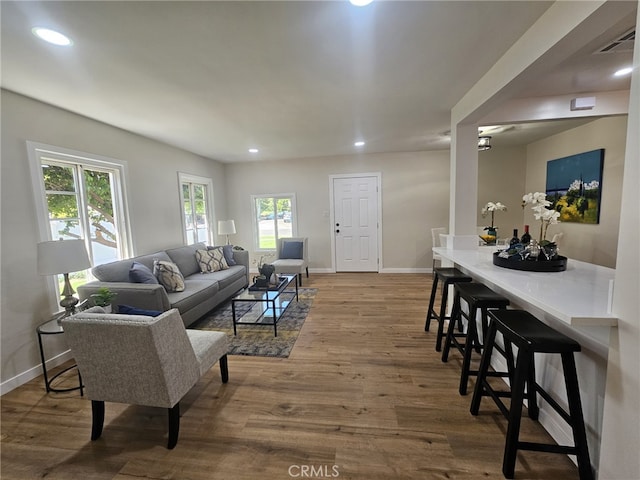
292 266
141 360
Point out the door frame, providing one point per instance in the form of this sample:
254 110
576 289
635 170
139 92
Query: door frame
378 177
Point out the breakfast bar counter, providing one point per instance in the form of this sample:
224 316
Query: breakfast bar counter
576 302
579 296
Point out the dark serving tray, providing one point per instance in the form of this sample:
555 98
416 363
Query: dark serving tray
558 264
269 288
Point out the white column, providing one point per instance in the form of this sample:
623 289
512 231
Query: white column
620 441
463 196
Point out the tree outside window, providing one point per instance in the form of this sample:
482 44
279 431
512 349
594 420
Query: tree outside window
81 205
273 219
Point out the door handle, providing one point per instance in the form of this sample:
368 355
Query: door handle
337 231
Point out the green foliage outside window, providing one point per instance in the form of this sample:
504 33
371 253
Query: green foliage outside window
62 202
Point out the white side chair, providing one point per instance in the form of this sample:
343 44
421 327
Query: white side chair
435 239
292 257
141 360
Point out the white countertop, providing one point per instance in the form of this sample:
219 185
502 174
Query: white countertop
579 296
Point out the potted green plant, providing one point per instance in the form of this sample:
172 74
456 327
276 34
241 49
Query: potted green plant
103 298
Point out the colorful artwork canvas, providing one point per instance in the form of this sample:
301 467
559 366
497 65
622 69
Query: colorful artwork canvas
574 186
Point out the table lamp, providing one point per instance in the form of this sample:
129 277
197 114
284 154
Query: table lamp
63 256
226 227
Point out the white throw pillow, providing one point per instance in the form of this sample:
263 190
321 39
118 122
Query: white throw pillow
211 260
169 276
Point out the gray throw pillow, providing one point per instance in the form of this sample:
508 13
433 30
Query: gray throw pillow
292 250
228 255
139 273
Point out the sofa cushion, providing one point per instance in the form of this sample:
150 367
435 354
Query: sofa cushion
185 258
118 271
226 277
169 276
291 249
211 260
139 273
197 290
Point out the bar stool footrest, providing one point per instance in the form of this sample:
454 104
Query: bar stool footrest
547 447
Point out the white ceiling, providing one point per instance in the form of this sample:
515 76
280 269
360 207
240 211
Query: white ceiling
294 79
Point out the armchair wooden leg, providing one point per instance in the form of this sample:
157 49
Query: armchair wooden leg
224 369
307 269
97 415
174 425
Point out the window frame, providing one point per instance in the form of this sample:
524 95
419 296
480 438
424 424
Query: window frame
36 152
254 218
210 216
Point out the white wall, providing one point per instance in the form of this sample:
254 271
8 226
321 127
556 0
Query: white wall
415 187
501 178
586 242
154 212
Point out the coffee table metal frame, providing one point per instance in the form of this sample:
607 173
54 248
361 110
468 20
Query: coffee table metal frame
269 305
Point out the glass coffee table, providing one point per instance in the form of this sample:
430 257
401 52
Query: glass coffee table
266 305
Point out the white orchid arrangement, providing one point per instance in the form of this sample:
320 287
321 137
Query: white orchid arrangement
263 259
492 208
539 205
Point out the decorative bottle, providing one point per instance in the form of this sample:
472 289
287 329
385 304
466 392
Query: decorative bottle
515 238
526 238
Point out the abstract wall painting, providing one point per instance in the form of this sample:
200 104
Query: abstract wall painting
574 186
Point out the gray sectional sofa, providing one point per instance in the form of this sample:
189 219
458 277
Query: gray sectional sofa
203 291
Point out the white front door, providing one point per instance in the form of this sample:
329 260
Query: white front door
355 214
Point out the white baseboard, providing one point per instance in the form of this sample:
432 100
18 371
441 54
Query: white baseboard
406 270
33 372
321 270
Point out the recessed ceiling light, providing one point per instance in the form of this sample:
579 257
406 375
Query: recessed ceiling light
359 144
52 36
623 71
253 150
360 3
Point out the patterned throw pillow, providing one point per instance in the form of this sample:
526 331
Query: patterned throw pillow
211 260
169 276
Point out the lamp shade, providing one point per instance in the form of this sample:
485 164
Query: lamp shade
226 227
62 256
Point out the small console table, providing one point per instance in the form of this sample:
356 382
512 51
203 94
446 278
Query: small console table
53 327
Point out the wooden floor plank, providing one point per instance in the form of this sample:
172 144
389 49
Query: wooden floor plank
363 392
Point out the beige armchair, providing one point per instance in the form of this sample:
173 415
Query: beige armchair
292 257
141 360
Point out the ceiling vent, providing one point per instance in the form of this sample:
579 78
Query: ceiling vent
624 43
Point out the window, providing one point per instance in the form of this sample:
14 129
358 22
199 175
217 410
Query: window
196 194
81 197
273 218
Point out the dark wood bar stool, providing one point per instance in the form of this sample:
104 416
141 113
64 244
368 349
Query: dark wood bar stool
448 276
532 336
478 297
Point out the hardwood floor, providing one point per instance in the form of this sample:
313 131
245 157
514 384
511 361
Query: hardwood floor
363 395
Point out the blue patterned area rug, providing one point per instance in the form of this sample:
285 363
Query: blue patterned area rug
258 340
